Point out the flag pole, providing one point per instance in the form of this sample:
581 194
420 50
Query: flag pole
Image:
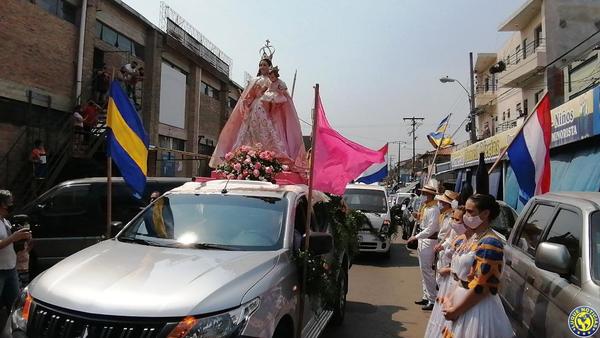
438 148
308 214
505 150
294 83
109 175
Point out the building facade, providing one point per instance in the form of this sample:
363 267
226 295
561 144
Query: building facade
184 96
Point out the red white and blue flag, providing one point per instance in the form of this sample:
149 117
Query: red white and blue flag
529 153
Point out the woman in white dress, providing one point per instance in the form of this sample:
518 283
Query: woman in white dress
436 320
473 308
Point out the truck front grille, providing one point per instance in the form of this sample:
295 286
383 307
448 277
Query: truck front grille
49 322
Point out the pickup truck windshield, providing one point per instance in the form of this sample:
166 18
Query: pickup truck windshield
366 200
220 222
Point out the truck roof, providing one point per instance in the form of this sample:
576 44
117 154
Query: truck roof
120 179
365 187
591 198
239 186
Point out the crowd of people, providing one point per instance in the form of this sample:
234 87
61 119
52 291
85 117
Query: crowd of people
461 259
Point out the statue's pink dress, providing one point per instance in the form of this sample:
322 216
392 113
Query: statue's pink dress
251 122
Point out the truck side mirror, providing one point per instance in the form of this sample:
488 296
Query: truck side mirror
116 227
320 243
553 257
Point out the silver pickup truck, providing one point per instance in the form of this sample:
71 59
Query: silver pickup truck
212 259
551 283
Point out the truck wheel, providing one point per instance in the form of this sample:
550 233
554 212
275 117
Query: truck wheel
388 254
284 330
339 309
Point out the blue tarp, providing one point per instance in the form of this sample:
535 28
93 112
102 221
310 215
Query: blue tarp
577 171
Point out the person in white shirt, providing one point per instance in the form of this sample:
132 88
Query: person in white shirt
427 240
9 280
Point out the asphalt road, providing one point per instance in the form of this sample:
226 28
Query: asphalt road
381 297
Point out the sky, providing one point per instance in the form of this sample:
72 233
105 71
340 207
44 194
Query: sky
376 61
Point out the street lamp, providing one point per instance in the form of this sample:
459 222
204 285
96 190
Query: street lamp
449 79
470 94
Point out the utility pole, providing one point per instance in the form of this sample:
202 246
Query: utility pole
473 131
399 143
414 138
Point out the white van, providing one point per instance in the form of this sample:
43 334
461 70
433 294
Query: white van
371 200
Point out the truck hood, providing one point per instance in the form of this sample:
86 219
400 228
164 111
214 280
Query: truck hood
126 279
376 219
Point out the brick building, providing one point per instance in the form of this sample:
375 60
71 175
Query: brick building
38 87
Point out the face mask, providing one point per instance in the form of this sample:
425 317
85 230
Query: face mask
459 228
473 222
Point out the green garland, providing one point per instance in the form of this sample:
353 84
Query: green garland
321 273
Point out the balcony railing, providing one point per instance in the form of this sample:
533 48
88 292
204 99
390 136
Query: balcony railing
523 63
485 94
506 126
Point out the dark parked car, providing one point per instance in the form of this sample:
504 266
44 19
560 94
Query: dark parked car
72 215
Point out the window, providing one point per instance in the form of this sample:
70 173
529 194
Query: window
537 36
171 143
118 40
61 8
566 230
595 245
519 109
525 107
538 96
508 113
68 201
231 102
533 229
503 116
209 91
366 200
524 49
487 84
517 54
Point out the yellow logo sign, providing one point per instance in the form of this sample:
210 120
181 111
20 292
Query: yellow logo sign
583 321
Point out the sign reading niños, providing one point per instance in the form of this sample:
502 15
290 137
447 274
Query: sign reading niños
573 120
491 147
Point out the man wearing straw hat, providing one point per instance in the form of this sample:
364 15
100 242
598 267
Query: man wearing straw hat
429 220
446 202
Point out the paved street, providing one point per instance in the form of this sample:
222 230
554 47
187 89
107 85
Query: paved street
380 300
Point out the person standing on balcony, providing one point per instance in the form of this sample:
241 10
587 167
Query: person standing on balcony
39 158
101 85
129 71
9 280
137 77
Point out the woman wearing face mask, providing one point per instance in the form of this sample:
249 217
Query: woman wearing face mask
437 321
473 308
9 281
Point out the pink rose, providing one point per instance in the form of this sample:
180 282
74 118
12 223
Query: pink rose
228 156
257 166
245 172
256 173
240 177
237 167
230 176
245 149
285 167
252 153
258 146
269 170
248 160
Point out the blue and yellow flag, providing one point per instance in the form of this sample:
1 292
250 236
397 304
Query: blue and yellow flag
127 140
439 137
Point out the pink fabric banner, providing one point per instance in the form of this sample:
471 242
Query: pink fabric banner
338 160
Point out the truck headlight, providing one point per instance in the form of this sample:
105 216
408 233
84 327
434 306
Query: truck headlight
217 326
20 311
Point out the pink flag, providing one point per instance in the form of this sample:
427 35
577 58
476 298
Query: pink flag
338 160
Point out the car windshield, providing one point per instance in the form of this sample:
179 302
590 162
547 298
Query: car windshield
223 222
595 245
366 200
